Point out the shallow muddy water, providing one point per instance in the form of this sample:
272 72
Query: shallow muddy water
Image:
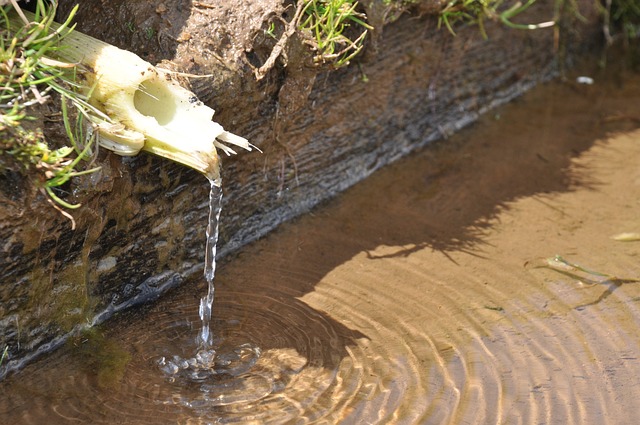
421 296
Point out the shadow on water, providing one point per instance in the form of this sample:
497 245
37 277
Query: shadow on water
297 350
445 197
442 199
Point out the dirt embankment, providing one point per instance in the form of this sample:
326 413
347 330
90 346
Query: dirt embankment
141 228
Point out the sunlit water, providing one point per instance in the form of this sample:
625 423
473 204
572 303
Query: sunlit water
421 296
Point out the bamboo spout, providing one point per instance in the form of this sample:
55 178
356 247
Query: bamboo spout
146 108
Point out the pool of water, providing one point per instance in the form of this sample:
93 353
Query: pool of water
428 294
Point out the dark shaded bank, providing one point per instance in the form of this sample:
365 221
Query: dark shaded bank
141 228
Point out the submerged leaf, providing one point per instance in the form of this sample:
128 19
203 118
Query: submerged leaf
627 237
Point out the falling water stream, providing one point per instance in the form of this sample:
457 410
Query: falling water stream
202 364
428 294
213 230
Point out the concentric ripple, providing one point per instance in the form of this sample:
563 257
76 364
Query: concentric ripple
441 306
270 360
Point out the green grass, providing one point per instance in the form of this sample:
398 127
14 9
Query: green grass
625 14
30 79
477 11
621 16
335 29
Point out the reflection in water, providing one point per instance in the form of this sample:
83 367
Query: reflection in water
421 296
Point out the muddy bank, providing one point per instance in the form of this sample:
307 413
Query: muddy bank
141 228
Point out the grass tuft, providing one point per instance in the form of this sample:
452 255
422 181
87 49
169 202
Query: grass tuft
477 11
28 79
625 14
335 29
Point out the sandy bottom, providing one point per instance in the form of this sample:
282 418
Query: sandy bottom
478 281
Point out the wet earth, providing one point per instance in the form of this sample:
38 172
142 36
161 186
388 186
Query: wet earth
481 280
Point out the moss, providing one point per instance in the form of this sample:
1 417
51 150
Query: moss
101 356
69 298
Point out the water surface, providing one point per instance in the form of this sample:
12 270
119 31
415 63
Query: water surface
421 296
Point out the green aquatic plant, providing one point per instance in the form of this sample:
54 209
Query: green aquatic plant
105 358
